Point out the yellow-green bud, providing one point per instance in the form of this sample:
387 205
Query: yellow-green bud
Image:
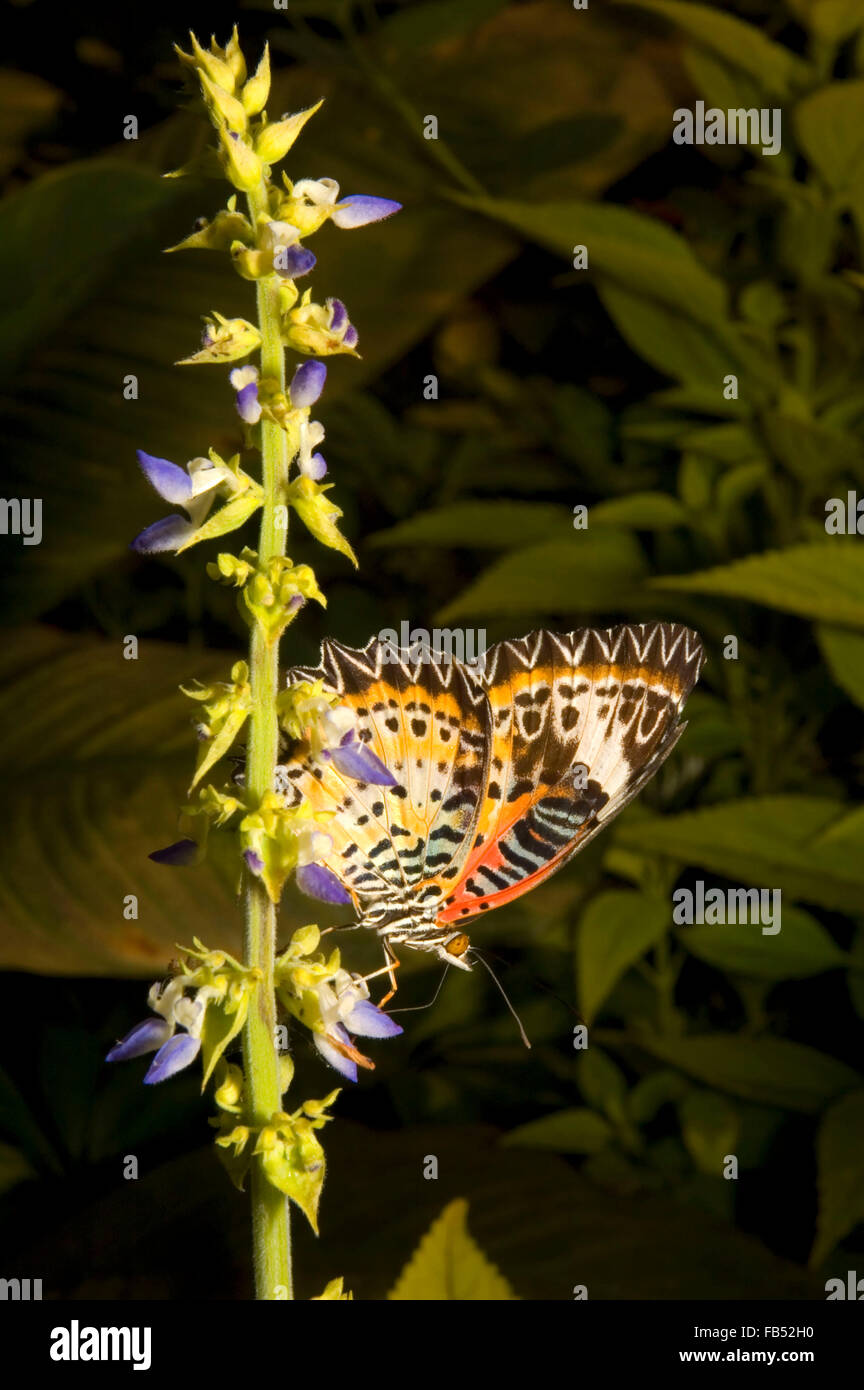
224 107
257 90
213 66
250 263
242 166
274 141
234 58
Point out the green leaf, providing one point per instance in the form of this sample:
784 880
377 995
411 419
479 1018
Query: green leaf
830 129
709 1128
823 581
686 349
800 949
97 752
644 511
776 69
431 23
769 841
831 20
652 1092
809 450
769 1070
840 1156
576 1131
479 525
587 573
14 1168
602 1084
843 650
448 1264
101 205
616 930
632 251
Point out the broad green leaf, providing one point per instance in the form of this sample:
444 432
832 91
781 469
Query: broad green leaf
27 103
577 1131
830 129
448 1264
769 1070
809 450
832 20
587 573
652 1092
443 19
101 206
777 70
719 82
768 841
844 652
684 348
602 1084
840 1155
98 752
14 1167
644 511
632 251
616 930
480 525
709 1128
813 581
800 949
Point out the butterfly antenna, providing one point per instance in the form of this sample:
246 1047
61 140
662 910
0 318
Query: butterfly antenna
487 966
546 988
414 1008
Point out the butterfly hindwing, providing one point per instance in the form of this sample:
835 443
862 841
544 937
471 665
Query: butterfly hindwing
580 722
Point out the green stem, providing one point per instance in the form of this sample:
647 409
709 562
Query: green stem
271 1228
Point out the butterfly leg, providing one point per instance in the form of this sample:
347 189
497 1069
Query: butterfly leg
389 969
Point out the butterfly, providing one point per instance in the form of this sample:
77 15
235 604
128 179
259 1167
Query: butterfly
501 772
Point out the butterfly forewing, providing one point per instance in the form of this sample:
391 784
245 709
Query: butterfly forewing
611 700
426 722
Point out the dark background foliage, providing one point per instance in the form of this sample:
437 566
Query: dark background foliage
557 387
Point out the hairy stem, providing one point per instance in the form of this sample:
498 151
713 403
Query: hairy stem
271 1229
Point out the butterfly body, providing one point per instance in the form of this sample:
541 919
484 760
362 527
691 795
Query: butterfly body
502 772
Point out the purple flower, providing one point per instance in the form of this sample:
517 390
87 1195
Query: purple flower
245 383
175 1050
314 467
307 384
193 488
178 1052
360 209
182 852
144 1037
353 759
345 1009
171 482
294 261
317 881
